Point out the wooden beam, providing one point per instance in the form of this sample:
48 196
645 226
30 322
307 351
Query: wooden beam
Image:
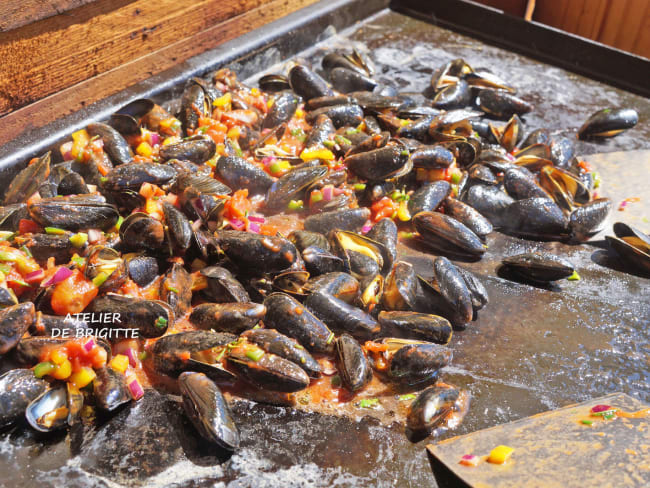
16 13
47 56
76 97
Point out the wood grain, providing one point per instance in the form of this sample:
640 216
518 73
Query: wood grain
74 98
47 56
16 13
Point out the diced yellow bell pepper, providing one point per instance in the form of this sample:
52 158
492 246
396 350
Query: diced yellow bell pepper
144 149
82 377
80 140
300 113
317 153
171 140
58 356
255 92
223 101
62 371
500 454
403 212
120 362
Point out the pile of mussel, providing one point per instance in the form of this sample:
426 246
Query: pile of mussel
164 218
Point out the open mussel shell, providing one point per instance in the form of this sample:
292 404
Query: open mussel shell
291 282
18 388
632 245
400 287
281 345
565 188
208 410
608 123
126 120
353 366
361 254
539 267
49 411
108 262
274 83
27 181
191 351
266 370
430 409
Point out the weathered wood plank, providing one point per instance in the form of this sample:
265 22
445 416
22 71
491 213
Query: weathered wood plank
55 53
16 13
74 98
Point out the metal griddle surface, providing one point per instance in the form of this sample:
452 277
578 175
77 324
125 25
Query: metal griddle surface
531 349
554 449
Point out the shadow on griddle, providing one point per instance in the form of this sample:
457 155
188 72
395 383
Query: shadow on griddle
608 258
507 274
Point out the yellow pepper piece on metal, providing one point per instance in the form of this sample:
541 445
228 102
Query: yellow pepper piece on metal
144 149
500 454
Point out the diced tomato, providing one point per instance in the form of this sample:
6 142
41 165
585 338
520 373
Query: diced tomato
73 294
238 205
239 117
26 226
383 208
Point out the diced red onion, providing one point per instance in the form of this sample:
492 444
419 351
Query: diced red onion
94 235
255 218
510 157
267 160
34 275
61 274
132 355
469 457
136 390
89 344
365 229
327 193
154 138
254 227
66 150
196 225
338 191
237 224
600 408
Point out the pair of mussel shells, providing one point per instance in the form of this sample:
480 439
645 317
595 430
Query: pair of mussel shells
632 245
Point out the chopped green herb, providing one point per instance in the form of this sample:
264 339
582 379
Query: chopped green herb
350 132
160 323
406 397
41 369
118 224
329 144
78 260
330 338
101 278
586 422
26 250
295 205
297 132
5 235
142 356
103 179
342 141
404 152
369 403
254 354
359 186
173 289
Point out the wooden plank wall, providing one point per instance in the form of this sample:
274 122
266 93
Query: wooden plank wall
93 48
624 24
